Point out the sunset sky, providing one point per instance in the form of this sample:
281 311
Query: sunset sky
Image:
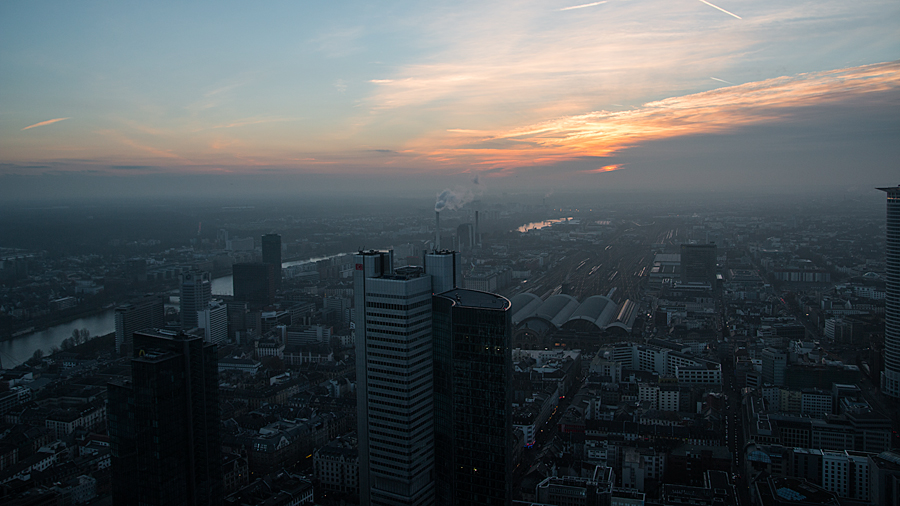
415 96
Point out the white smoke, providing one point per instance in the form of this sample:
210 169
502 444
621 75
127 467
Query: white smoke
454 199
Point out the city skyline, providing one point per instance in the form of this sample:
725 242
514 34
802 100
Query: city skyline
288 98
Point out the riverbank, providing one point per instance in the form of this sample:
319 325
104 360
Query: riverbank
29 327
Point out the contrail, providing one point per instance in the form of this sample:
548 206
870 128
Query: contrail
721 9
42 123
721 80
582 6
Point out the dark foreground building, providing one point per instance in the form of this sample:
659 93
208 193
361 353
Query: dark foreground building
254 283
164 424
890 377
472 398
271 254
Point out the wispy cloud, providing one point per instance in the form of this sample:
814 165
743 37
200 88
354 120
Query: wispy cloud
43 123
582 6
562 66
721 80
250 121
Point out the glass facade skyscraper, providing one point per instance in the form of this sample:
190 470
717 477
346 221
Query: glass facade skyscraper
165 446
890 376
472 398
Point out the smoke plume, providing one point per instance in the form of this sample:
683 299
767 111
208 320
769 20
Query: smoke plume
453 199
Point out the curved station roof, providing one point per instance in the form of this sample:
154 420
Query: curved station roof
564 311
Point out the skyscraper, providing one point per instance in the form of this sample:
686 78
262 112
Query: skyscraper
254 282
271 254
472 332
163 425
145 313
445 270
890 376
214 322
698 264
196 292
394 381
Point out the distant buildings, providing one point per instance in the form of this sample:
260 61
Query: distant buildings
214 321
254 283
698 264
146 313
271 254
164 424
196 292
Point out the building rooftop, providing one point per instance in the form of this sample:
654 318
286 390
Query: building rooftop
476 299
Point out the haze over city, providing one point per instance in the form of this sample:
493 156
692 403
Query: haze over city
289 98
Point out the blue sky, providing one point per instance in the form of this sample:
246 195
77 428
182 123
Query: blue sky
606 95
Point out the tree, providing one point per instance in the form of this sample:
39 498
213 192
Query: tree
80 336
35 358
272 363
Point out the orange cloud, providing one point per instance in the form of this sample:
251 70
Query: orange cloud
48 122
604 133
605 168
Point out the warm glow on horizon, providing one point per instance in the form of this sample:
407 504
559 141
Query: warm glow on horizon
603 133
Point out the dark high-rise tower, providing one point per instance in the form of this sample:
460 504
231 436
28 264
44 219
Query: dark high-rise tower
271 254
890 376
196 292
164 424
698 264
472 332
254 282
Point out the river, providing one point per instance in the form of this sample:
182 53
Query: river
18 350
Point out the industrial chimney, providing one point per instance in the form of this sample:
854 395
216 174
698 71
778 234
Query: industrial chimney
477 231
437 230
